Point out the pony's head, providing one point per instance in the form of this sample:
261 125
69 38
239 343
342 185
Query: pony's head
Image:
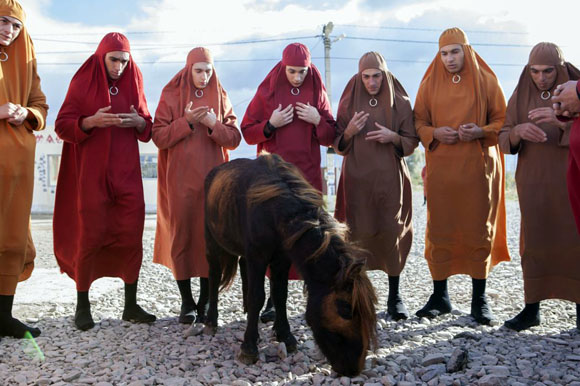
343 320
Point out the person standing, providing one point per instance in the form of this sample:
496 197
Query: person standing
291 116
194 128
99 211
459 110
375 131
23 110
549 242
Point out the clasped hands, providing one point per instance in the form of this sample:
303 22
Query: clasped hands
103 118
13 113
466 133
566 101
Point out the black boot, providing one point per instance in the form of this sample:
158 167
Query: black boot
269 313
83 318
480 309
10 326
188 312
528 317
439 303
202 302
133 312
395 306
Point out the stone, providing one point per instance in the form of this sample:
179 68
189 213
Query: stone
72 376
492 380
433 359
432 372
458 360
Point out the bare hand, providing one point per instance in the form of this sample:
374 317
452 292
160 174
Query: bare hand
530 132
101 119
13 113
356 124
545 115
565 100
470 132
382 135
132 119
196 115
446 135
308 113
209 119
281 117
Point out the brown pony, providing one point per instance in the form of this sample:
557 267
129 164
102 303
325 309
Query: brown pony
266 212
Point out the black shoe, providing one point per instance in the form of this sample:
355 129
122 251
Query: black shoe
436 306
396 309
523 321
187 316
13 327
136 314
84 319
481 311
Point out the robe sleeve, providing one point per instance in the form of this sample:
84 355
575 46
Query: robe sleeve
36 104
405 127
69 120
326 129
342 121
254 121
226 133
423 122
168 130
496 111
505 144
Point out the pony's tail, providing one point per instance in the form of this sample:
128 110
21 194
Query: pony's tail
229 268
364 301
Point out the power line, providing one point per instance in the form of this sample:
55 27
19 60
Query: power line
147 46
278 59
431 29
434 42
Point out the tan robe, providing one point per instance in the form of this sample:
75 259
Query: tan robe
549 241
185 158
19 84
374 192
465 210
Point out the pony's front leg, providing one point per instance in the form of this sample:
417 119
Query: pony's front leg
255 274
279 292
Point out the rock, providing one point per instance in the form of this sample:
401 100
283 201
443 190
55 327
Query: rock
467 335
433 359
241 382
432 372
72 376
499 370
176 381
492 380
282 352
458 360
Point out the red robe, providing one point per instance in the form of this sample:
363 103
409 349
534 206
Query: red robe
100 210
573 175
298 142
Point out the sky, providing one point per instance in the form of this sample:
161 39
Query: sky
247 38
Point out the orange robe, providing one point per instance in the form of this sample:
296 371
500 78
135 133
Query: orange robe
185 158
19 84
466 231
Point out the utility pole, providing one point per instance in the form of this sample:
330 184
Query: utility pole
330 168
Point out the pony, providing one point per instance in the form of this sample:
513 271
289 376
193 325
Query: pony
266 212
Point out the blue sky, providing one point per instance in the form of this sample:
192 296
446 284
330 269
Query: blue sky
405 32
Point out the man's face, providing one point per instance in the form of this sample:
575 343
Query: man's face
296 75
10 28
372 79
201 73
116 62
543 76
452 57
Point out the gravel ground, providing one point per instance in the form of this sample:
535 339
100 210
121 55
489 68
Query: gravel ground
412 352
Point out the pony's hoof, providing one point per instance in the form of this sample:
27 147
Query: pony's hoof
209 330
195 329
247 358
